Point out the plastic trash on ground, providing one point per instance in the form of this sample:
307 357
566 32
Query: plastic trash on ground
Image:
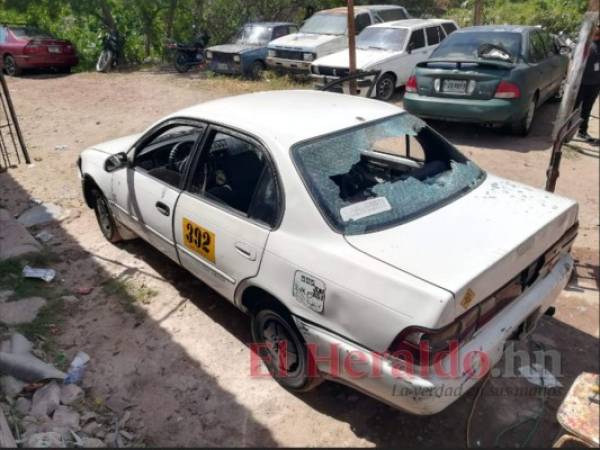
43 274
77 368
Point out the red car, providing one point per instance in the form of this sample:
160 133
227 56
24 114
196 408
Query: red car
25 47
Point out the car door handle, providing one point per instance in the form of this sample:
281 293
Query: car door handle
246 251
163 209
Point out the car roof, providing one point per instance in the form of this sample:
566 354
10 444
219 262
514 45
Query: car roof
269 24
359 9
410 23
499 28
288 117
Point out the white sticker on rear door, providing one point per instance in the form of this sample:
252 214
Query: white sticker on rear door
364 209
309 291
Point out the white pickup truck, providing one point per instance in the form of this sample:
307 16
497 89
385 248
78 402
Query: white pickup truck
324 33
392 48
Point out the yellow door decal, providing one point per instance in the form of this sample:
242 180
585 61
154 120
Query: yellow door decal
199 239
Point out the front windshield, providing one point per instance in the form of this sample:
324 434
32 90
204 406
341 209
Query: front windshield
383 173
326 24
29 32
382 38
468 45
253 35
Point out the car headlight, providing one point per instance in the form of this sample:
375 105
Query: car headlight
271 53
309 56
236 58
209 55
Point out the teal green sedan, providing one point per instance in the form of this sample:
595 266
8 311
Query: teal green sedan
493 75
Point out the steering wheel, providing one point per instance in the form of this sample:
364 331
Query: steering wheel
177 155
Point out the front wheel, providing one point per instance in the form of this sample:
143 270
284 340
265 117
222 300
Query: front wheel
10 66
105 61
104 217
385 87
256 70
283 350
181 63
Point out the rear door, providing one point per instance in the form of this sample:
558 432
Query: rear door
541 66
416 51
224 216
434 35
558 62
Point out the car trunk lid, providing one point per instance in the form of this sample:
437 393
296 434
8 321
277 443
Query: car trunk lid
465 79
49 46
478 243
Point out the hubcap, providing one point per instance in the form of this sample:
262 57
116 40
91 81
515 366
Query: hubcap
9 64
279 341
385 88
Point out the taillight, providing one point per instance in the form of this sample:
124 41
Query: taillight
506 89
422 346
411 84
33 47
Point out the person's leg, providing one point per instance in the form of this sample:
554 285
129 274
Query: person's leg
588 94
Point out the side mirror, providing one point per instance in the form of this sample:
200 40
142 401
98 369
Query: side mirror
115 162
410 48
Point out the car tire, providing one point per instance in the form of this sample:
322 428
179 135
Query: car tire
271 325
10 66
106 222
181 64
523 126
105 61
385 87
256 70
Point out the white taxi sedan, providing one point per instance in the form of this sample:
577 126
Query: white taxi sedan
365 247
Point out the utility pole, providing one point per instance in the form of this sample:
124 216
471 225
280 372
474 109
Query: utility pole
352 45
478 12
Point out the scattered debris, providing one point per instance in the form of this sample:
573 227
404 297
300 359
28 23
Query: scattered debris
21 311
44 236
61 147
70 393
85 290
69 299
15 240
77 368
43 274
42 214
6 437
50 439
46 400
539 376
10 386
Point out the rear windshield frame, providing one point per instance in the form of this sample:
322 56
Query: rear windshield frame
400 221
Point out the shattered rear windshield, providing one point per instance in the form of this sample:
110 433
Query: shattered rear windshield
383 173
468 44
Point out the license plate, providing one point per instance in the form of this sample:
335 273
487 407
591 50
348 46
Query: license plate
199 240
54 49
454 86
222 66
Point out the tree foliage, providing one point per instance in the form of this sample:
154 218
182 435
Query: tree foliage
148 24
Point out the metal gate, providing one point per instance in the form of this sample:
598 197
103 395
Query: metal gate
12 145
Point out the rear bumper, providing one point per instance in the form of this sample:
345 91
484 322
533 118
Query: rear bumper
494 111
430 393
43 61
289 65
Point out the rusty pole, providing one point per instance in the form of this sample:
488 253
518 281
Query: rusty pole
478 12
352 45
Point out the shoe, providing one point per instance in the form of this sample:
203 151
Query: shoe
583 135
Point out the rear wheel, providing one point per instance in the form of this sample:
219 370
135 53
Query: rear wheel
104 217
105 61
256 70
11 67
385 87
523 126
181 64
274 329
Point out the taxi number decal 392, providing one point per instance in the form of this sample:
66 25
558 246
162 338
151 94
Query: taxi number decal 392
199 239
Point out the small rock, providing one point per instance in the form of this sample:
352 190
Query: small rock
90 428
23 405
69 393
127 435
69 299
92 443
100 434
22 311
45 440
66 418
10 386
88 416
5 295
110 439
42 214
5 346
46 400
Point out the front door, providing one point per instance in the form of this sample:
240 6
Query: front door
224 216
147 192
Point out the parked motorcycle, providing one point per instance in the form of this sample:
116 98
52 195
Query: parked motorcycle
112 47
189 55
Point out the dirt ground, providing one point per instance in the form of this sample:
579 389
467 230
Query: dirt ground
180 362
